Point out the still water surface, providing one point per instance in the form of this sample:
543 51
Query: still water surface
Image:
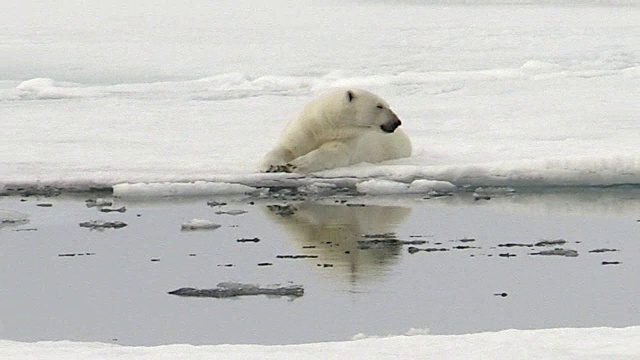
117 291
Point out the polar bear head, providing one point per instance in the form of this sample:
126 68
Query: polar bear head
368 110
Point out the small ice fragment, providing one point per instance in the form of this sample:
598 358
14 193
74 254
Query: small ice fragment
230 289
121 209
215 203
100 224
231 212
611 263
558 252
199 224
297 256
515 245
413 249
550 242
602 250
244 240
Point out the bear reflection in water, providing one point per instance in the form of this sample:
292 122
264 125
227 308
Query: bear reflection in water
357 241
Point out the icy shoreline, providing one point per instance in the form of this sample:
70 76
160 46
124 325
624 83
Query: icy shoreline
561 344
571 173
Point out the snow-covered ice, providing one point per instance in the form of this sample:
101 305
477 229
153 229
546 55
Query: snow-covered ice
155 98
515 95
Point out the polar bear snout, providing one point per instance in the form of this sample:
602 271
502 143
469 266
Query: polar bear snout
391 125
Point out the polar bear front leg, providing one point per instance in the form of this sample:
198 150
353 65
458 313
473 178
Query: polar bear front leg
276 160
330 155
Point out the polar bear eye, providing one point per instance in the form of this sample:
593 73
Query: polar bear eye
379 106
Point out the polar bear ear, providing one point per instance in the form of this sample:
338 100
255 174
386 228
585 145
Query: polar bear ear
349 96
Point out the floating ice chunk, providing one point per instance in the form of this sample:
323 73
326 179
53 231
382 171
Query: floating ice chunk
413 249
100 224
603 250
550 242
121 209
214 203
231 289
232 212
557 252
199 224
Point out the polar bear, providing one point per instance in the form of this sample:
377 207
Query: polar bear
341 128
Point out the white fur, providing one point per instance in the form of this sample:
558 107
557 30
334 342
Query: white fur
341 128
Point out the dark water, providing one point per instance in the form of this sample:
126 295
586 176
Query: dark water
117 290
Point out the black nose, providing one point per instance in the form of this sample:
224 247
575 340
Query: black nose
391 126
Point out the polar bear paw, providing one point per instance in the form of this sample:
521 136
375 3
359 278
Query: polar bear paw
286 168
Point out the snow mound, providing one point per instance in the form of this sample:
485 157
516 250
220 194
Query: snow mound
48 89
